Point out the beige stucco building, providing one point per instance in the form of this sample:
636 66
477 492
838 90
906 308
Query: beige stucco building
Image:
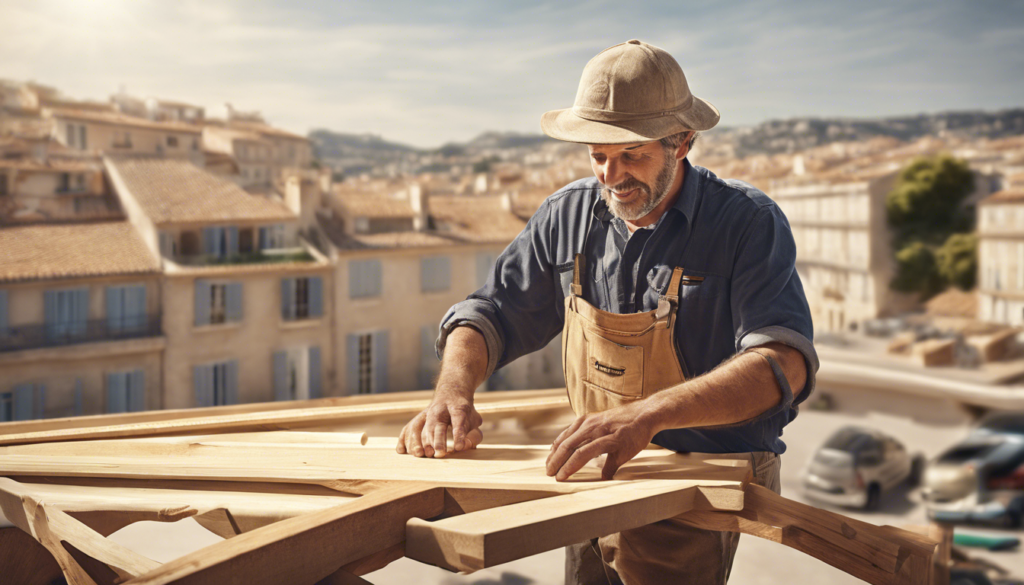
844 254
95 133
1001 258
80 321
402 260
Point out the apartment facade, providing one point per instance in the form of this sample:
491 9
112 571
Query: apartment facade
394 284
844 253
246 312
54 189
1001 258
80 321
94 133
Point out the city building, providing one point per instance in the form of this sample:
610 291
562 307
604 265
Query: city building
402 260
1001 258
247 311
54 189
93 133
80 321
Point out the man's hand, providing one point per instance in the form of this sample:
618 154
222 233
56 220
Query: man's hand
621 432
426 435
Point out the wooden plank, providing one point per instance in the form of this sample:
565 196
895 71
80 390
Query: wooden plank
25 561
149 416
513 467
270 421
306 548
490 537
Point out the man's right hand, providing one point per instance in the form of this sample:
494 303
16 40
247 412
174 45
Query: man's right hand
426 435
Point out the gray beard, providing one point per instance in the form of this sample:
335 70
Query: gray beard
650 197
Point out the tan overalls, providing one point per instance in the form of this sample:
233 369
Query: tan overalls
611 359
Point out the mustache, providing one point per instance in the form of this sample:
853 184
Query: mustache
629 185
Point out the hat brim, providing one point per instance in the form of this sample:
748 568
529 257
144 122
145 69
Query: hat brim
566 125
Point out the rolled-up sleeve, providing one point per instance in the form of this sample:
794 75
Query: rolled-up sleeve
516 309
768 302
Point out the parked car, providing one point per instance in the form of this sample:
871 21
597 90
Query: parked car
856 465
981 479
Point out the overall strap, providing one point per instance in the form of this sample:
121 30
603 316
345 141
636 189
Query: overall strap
578 262
669 302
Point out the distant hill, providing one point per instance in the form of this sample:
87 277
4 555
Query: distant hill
781 136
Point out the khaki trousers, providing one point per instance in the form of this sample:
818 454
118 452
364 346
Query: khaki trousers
664 552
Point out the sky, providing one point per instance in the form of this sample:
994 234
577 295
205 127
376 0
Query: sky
426 73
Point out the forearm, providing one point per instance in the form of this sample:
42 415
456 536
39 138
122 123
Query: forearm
464 366
739 390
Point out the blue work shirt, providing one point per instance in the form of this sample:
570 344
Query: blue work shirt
728 232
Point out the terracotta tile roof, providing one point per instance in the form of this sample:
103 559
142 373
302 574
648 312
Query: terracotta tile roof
117 119
474 219
51 164
954 303
176 191
1005 196
377 206
334 230
40 252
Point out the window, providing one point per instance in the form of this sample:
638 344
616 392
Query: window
195 144
172 141
272 237
301 298
168 247
245 237
3 313
367 362
23 402
297 374
66 313
364 279
435 274
217 302
126 391
220 242
81 137
72 136
216 384
122 139
126 308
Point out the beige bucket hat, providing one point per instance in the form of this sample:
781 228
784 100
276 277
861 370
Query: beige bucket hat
632 92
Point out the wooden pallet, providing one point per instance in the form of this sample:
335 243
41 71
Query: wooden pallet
301 498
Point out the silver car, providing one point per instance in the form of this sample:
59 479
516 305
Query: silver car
856 465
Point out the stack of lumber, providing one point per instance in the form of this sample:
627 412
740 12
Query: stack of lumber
303 495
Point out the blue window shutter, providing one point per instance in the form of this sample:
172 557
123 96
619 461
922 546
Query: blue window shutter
352 364
115 308
263 238
364 278
232 241
210 237
316 296
380 361
435 274
231 381
78 397
136 391
117 392
202 381
355 279
80 310
288 299
315 391
202 302
3 313
281 390
234 301
135 306
24 402
51 312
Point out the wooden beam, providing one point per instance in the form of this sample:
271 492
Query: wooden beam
269 421
306 548
490 537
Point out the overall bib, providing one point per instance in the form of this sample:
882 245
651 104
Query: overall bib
611 359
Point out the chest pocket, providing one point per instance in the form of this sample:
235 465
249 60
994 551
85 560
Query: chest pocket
696 290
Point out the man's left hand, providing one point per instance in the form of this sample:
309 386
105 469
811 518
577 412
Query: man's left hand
620 433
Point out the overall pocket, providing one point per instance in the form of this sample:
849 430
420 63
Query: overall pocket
614 368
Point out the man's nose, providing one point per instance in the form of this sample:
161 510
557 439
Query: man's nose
613 174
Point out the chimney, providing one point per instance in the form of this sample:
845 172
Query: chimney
418 201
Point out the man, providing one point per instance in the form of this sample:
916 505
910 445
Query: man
683 319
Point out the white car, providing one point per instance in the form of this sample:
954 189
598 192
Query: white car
856 465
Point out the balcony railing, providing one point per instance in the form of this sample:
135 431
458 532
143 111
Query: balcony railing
40 335
265 257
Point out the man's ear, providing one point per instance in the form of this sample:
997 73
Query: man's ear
684 148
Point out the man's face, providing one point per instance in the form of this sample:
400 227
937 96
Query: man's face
637 177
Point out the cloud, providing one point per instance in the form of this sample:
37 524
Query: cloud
427 73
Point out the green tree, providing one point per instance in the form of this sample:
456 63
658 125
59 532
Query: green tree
916 270
926 203
957 260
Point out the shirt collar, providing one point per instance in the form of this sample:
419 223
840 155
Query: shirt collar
686 203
